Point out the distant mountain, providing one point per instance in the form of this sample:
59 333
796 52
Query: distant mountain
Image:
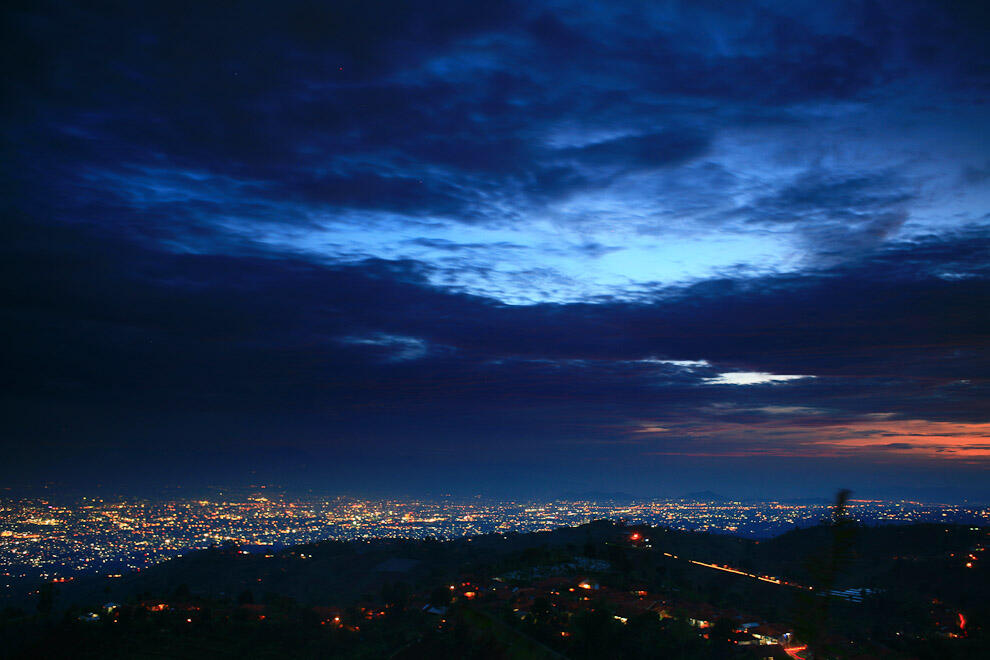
707 496
809 500
598 496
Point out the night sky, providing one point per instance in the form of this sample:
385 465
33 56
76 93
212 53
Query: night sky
510 249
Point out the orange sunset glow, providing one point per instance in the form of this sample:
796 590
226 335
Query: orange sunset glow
878 437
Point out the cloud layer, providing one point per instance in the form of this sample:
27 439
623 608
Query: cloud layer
518 235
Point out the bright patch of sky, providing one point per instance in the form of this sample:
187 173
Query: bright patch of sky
546 262
686 364
750 378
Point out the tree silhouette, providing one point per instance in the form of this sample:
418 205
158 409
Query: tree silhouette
825 566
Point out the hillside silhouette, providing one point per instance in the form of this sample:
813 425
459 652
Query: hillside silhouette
598 590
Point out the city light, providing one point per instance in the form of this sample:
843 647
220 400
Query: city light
53 541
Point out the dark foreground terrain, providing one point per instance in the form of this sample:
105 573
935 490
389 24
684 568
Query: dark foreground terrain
602 590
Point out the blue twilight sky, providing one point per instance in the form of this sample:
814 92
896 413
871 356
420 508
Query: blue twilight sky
499 247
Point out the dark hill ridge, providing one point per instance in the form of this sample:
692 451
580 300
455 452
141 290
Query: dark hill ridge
527 593
873 548
337 571
344 572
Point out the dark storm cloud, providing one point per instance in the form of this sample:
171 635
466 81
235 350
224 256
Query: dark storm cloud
450 246
344 104
641 151
837 212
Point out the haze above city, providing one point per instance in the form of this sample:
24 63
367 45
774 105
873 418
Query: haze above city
507 249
